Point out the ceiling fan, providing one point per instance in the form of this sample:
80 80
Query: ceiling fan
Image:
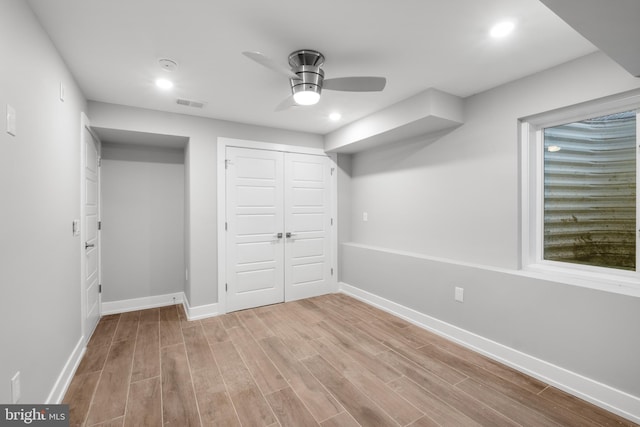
307 77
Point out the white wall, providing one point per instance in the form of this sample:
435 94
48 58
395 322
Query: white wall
344 173
39 199
456 198
200 164
187 222
142 221
454 194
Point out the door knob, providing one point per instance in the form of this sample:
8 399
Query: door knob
290 234
279 235
88 245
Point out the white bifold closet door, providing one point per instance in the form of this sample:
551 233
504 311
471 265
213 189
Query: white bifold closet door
278 219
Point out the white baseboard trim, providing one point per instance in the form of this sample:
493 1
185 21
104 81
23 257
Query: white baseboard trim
200 311
599 394
123 306
64 379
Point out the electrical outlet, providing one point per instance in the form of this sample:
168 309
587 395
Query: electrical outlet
15 388
459 294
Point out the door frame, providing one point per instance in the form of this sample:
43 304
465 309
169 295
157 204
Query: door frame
86 124
223 143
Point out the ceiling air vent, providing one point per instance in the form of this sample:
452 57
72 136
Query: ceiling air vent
190 103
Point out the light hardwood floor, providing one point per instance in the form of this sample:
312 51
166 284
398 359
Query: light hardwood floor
329 361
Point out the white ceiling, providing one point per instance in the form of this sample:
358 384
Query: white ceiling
112 47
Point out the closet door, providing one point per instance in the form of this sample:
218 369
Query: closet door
255 217
278 237
307 218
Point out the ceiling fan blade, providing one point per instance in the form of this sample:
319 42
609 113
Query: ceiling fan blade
355 84
286 104
265 61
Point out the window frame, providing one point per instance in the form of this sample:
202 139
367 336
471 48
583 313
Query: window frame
532 198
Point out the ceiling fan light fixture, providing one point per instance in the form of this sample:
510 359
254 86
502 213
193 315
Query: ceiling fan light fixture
307 85
306 97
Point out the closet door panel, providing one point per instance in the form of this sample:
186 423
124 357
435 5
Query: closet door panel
308 219
255 216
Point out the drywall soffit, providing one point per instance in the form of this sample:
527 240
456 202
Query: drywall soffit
426 113
593 20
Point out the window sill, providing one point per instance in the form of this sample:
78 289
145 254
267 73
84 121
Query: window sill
629 286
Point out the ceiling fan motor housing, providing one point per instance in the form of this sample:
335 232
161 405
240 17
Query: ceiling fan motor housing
310 79
306 65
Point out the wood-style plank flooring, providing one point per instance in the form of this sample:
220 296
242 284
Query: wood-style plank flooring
328 361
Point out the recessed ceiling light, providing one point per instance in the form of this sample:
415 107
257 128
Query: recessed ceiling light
335 116
164 84
502 29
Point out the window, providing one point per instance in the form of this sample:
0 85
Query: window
580 174
590 192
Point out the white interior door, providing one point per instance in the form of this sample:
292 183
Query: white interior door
255 219
89 232
308 223
278 227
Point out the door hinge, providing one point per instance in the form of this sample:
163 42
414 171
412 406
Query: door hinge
99 289
226 226
332 170
226 287
332 271
331 221
99 161
99 225
227 162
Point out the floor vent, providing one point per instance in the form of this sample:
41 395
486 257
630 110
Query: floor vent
189 103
